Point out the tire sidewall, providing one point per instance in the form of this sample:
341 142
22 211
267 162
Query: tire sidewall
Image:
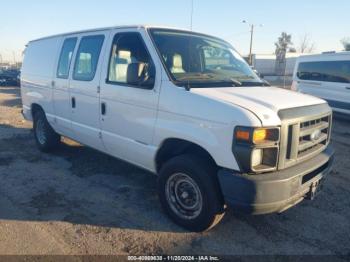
51 138
190 166
37 123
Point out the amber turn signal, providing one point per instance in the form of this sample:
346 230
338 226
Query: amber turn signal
243 135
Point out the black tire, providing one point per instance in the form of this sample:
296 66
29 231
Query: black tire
194 170
45 137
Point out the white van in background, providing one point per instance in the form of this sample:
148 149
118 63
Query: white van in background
326 76
185 106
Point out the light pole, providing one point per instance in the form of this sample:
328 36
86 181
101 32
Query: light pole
252 27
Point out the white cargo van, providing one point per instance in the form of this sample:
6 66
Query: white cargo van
326 76
185 106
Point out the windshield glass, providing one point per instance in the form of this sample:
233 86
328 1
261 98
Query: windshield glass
199 60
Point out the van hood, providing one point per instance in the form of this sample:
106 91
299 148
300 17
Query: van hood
264 102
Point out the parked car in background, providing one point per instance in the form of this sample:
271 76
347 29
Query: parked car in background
326 76
9 77
185 106
3 78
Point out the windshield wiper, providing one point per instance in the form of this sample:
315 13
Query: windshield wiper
231 81
236 82
252 83
212 83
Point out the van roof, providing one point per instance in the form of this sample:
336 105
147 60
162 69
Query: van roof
326 54
109 28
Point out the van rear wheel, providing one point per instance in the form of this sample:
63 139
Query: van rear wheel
46 138
190 194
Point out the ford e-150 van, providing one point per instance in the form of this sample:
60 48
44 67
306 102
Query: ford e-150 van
186 107
326 76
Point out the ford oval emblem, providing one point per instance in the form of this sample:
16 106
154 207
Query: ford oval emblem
316 135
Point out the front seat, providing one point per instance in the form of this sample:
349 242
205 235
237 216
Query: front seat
177 65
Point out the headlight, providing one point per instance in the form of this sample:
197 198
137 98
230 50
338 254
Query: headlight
257 157
256 149
256 135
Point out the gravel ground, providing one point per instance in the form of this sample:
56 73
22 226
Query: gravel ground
80 201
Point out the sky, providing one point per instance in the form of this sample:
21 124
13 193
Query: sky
326 22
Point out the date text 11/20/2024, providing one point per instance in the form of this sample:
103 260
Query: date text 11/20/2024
173 258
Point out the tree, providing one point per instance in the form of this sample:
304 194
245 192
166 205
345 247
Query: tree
346 43
283 43
306 45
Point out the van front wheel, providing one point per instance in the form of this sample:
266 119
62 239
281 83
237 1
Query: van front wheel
46 138
189 193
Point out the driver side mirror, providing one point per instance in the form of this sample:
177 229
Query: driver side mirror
141 74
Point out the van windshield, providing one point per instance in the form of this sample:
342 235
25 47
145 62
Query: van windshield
202 61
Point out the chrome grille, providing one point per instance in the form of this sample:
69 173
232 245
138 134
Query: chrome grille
309 143
304 136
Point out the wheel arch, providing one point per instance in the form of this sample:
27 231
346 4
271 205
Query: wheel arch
36 108
172 147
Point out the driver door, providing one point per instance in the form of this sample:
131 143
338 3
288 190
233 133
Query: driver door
128 111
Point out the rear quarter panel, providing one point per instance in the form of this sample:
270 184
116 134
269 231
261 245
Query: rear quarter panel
36 75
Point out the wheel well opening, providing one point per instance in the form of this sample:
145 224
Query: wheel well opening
174 147
36 108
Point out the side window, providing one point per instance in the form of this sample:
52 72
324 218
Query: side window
87 57
130 63
325 71
310 71
66 57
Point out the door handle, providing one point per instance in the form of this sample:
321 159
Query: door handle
103 108
73 102
347 87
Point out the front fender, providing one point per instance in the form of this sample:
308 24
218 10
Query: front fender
215 138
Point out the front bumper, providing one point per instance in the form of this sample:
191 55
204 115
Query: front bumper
276 191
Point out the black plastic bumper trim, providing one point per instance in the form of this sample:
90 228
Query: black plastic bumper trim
273 192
